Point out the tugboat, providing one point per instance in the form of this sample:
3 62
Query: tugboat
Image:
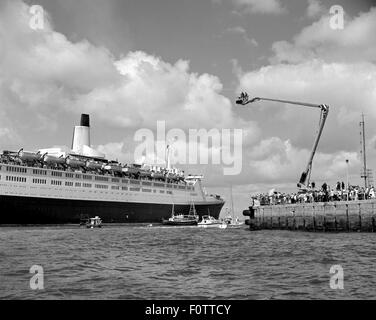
182 220
94 223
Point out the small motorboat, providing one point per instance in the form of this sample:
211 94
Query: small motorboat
208 221
94 223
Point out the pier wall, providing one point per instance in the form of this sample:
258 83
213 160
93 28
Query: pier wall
345 216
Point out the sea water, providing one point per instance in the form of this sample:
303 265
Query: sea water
142 262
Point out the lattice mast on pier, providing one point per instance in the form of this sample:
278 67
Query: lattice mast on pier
364 172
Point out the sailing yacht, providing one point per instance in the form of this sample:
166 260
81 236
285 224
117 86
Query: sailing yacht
209 221
181 219
230 219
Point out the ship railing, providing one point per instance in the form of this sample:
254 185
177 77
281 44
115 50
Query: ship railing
7 160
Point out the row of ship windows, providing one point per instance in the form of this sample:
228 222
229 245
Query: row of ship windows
15 179
78 184
97 178
16 169
85 185
40 181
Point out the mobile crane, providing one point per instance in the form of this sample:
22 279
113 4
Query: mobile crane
306 175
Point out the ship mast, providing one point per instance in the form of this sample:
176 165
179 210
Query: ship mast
168 161
232 202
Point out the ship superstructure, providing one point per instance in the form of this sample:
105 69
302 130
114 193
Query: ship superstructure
51 186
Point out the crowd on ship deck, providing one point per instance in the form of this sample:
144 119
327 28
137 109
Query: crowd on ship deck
324 194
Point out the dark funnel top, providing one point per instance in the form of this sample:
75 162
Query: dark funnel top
85 120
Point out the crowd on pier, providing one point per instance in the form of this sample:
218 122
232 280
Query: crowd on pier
324 194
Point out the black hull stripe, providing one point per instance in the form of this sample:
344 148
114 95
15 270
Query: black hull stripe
26 210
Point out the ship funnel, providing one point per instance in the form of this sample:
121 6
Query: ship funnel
81 135
85 120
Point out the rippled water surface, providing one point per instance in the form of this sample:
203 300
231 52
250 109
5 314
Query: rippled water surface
137 262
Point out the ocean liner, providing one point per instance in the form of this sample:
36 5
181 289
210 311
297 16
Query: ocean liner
51 186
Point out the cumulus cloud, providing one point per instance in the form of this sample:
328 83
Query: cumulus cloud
347 88
43 69
42 72
274 160
355 43
152 89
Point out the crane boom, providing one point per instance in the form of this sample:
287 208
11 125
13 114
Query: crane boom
305 177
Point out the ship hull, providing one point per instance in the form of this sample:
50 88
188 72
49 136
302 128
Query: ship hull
28 210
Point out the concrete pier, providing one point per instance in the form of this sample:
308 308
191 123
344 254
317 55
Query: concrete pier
343 216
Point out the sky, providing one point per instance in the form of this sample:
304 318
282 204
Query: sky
131 63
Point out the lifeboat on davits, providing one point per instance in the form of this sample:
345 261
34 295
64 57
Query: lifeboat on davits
51 160
131 170
114 167
144 173
157 175
172 176
29 156
74 163
94 165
